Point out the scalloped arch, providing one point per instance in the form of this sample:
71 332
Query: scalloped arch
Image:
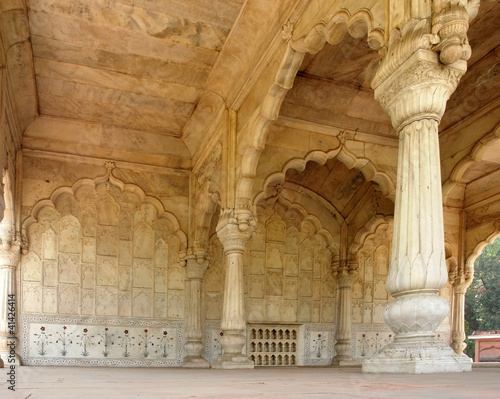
469 263
124 187
474 156
333 31
315 222
366 167
367 230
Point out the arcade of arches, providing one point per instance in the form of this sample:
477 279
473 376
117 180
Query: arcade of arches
241 183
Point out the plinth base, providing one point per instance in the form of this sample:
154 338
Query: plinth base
195 362
417 357
344 361
229 361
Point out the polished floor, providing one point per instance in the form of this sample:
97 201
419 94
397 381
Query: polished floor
313 383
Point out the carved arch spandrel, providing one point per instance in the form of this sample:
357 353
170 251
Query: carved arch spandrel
369 170
474 156
359 24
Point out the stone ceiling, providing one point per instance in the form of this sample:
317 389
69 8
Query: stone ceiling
135 64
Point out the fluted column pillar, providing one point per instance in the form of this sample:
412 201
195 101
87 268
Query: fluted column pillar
234 237
460 286
195 270
415 96
10 256
345 279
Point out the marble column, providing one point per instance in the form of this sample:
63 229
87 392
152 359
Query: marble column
195 270
415 95
234 237
460 286
10 256
345 279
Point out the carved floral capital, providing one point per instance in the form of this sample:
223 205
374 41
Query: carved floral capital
234 229
196 268
419 88
10 255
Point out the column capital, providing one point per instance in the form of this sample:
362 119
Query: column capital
234 229
196 268
419 88
10 255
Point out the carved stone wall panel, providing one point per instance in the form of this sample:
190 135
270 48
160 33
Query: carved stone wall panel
378 311
107 271
49 239
213 280
257 285
160 306
124 304
175 304
274 256
145 213
144 241
292 241
32 297
88 219
317 290
88 250
125 254
142 273
69 269
106 301
367 313
213 304
357 312
379 291
274 282
88 273
35 232
275 228
328 287
257 262
142 303
256 310
291 265
175 277
108 211
160 280
69 235
290 288
88 302
107 240
306 256
126 225
49 273
274 308
68 299
161 254
305 310
327 311
32 268
258 241
289 311
305 284
49 300
316 312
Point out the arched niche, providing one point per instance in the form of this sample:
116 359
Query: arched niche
103 248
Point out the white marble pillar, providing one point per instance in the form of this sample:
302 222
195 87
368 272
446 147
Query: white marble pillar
234 238
10 256
460 286
195 270
343 346
415 96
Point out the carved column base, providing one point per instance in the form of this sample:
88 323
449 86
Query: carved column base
232 361
343 357
195 362
416 355
232 358
8 354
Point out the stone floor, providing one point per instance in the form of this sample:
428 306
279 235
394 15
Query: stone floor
311 383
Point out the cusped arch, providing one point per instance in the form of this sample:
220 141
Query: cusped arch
366 231
478 249
333 31
124 188
475 155
369 170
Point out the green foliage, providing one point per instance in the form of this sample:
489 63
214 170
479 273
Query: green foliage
482 299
